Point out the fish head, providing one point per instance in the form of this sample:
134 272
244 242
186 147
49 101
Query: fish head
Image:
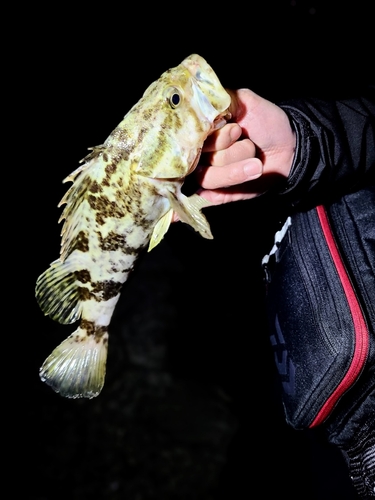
174 117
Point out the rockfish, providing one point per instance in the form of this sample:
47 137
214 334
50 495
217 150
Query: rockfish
121 201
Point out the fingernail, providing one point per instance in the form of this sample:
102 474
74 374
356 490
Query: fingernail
253 169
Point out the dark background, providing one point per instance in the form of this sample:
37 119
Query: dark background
190 408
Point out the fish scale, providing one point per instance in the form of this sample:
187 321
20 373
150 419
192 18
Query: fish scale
122 200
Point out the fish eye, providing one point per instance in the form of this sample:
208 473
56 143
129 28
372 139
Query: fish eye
174 98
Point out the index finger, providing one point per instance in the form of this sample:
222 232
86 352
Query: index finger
222 138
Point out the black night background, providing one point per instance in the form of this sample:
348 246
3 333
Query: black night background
190 409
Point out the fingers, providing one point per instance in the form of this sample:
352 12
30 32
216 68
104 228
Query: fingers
234 174
231 166
240 150
224 184
222 138
221 196
244 191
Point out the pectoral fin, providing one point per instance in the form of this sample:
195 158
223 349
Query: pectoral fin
160 229
189 211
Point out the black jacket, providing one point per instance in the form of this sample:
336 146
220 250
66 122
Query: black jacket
335 147
334 166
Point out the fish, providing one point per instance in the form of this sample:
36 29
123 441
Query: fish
120 203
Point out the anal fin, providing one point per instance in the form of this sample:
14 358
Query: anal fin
57 292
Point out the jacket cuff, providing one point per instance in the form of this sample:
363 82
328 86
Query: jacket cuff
303 157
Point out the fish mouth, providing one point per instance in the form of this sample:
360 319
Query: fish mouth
221 120
211 98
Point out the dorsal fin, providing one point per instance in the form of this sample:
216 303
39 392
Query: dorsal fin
85 181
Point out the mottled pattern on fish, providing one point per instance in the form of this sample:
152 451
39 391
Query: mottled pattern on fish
121 200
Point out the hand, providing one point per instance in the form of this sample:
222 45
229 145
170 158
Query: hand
234 169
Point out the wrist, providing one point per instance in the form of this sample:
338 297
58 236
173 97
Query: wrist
289 156
283 153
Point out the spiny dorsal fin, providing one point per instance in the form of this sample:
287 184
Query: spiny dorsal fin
85 182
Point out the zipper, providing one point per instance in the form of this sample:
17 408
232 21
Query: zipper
361 334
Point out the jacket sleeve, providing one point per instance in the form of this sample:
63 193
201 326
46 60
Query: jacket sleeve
335 150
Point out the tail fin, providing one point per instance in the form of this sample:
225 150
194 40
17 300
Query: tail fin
76 368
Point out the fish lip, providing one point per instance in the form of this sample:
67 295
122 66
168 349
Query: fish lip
221 120
228 115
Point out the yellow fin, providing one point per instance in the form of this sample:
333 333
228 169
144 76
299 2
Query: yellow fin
76 368
57 292
189 211
160 229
